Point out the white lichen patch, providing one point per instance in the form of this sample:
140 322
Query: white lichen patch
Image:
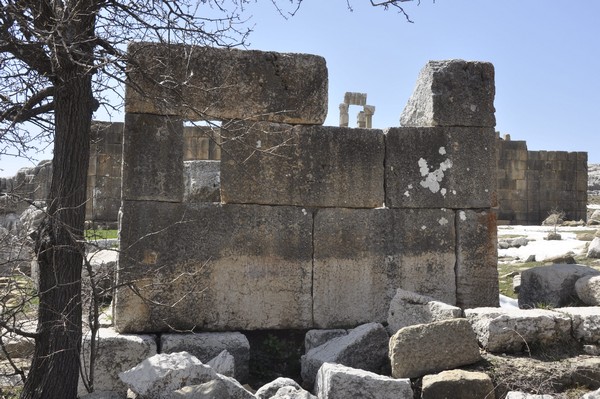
443 221
433 178
443 192
423 227
473 107
258 144
406 194
304 212
410 186
454 192
442 151
462 215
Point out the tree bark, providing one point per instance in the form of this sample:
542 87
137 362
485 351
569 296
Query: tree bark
54 370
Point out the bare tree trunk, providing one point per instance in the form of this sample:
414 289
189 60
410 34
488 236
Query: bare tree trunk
55 367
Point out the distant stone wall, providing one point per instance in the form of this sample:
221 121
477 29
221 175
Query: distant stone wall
317 226
533 184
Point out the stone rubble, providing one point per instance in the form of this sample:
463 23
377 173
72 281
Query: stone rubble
458 384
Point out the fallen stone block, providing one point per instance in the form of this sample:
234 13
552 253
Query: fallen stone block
223 364
594 248
335 381
116 353
207 346
588 290
375 252
314 338
585 323
428 348
208 83
458 384
365 347
440 167
514 330
452 93
552 285
310 166
268 390
408 308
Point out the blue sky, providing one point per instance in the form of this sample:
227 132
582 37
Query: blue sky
546 55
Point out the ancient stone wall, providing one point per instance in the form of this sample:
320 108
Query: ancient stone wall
533 184
317 226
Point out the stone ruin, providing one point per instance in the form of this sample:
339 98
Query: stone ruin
317 226
364 117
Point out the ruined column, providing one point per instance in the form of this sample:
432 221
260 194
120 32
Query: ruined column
344 118
369 112
361 120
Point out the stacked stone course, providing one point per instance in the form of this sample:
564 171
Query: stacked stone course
533 184
317 226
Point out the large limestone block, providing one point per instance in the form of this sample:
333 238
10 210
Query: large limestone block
588 290
152 158
458 384
365 347
477 259
552 285
202 181
409 308
452 93
213 267
362 256
428 348
266 163
440 167
585 323
207 83
115 353
514 330
205 346
335 381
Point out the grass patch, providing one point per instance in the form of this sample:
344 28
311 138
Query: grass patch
506 271
91 235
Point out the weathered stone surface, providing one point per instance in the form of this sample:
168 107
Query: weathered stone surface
292 393
314 338
202 181
161 374
428 348
477 260
365 347
206 346
452 93
211 83
102 395
115 353
458 384
592 395
215 389
552 285
267 391
523 395
152 158
409 308
223 363
512 330
213 267
585 323
594 248
588 290
374 252
266 163
440 168
335 381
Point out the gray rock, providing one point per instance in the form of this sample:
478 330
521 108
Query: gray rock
588 290
553 220
116 353
551 285
159 375
208 346
408 308
202 181
565 259
595 216
592 395
428 348
519 242
314 338
364 347
594 248
215 389
512 330
223 364
228 84
292 393
458 384
452 93
585 323
269 390
335 381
